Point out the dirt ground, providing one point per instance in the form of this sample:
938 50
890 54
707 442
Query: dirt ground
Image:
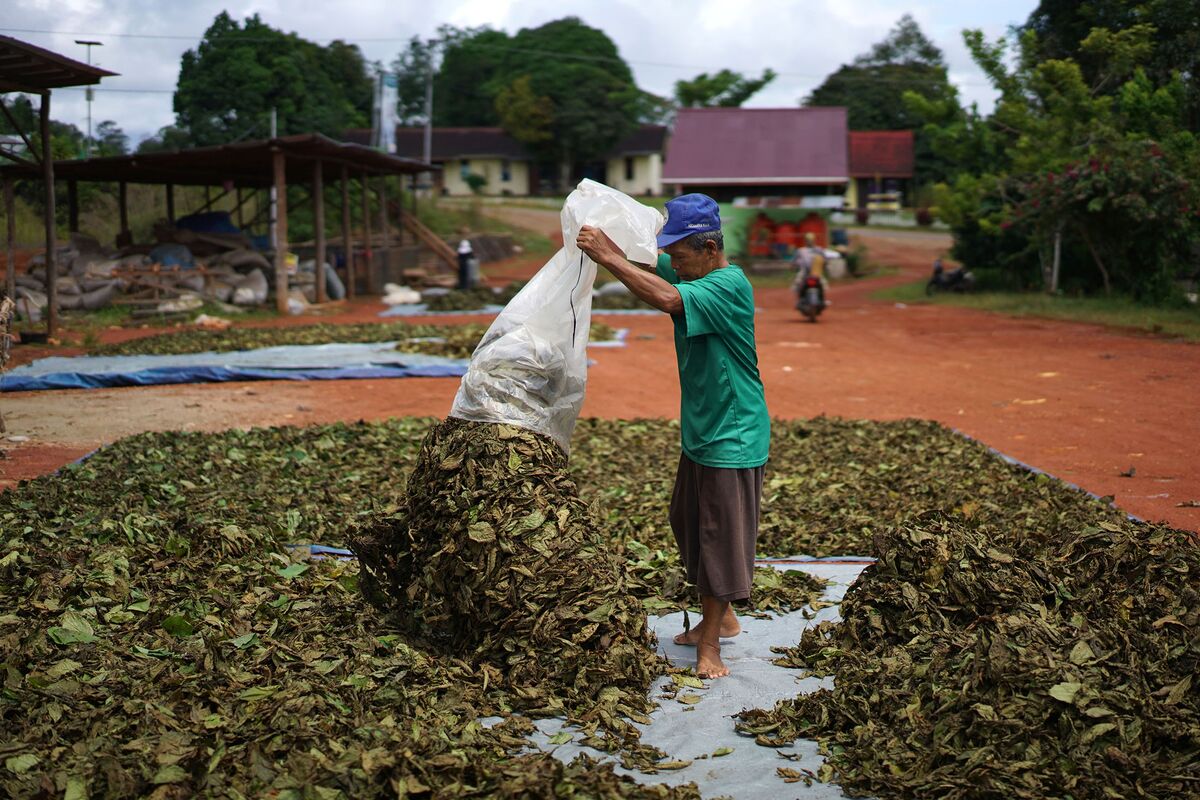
1082 402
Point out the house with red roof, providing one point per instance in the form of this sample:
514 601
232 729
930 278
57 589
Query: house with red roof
881 170
756 152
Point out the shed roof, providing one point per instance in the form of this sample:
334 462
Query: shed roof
27 68
241 163
730 146
646 139
888 154
449 143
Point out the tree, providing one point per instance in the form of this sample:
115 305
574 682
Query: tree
1062 26
528 117
412 68
578 68
1102 171
238 73
725 88
168 138
873 87
110 140
475 67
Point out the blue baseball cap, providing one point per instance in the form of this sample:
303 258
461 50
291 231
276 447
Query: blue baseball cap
688 214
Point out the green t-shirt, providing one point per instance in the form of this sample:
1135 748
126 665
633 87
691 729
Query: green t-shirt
723 412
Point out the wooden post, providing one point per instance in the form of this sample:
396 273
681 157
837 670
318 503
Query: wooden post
240 217
400 211
279 164
367 256
171 203
48 180
73 206
385 260
319 224
10 263
123 204
347 244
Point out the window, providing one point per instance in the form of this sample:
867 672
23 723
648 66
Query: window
464 168
505 171
628 168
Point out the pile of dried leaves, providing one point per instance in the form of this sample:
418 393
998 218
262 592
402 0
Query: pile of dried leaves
158 637
494 558
1054 656
452 341
472 299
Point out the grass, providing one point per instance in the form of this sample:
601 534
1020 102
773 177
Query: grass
448 218
1115 312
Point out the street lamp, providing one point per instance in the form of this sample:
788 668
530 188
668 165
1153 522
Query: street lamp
88 142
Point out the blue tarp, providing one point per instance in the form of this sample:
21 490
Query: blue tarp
422 310
286 363
318 362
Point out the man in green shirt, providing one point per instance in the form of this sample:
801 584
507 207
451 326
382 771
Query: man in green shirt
725 430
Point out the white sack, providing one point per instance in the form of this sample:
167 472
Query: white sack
530 368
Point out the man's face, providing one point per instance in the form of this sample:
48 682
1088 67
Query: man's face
689 263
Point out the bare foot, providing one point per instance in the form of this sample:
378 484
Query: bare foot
730 627
708 662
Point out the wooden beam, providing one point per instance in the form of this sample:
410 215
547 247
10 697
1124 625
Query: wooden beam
279 164
10 263
366 216
385 261
238 208
73 206
48 180
318 195
347 244
171 203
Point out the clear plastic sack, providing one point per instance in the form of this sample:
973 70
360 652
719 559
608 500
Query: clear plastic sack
530 368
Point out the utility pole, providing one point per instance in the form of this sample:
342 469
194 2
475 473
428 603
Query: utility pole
87 143
272 221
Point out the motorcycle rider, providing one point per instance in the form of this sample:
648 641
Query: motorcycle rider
809 260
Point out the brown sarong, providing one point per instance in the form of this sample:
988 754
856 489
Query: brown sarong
714 514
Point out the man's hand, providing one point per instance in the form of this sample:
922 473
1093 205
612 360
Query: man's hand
597 246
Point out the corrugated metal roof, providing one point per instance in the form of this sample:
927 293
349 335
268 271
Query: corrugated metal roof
646 139
450 143
888 154
241 163
758 146
28 68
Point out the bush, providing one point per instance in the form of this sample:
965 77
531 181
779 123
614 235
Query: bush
861 216
924 217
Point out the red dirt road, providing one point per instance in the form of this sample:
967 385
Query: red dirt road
1079 401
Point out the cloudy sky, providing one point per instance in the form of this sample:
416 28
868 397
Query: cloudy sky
663 40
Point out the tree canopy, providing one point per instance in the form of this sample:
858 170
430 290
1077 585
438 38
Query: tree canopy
725 88
238 73
1097 159
561 88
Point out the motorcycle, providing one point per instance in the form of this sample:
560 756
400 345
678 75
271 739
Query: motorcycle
810 298
956 280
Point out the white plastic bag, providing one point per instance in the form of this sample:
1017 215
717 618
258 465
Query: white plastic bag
530 368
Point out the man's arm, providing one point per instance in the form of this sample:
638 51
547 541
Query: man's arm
645 285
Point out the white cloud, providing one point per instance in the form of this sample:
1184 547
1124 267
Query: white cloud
664 40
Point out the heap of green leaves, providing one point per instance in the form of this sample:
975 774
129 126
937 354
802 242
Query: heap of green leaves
158 635
493 558
469 299
1053 659
452 341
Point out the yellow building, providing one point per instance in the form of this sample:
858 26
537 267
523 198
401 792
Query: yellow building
635 165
